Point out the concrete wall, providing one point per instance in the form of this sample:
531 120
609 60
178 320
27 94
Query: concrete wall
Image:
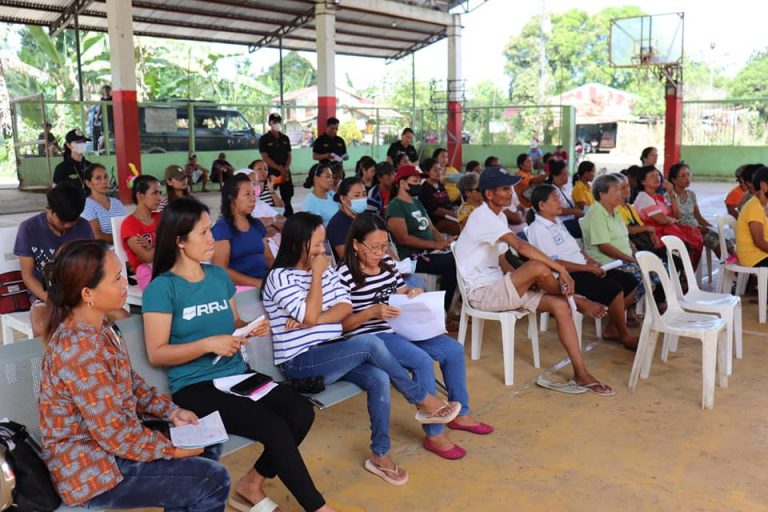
721 161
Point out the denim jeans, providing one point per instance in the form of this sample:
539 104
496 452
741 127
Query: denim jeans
192 484
417 356
365 361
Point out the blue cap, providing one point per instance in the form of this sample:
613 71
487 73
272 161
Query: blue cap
495 176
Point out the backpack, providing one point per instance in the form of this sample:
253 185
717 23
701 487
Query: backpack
13 293
33 490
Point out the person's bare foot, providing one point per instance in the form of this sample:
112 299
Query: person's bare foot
434 405
386 462
589 308
588 380
251 487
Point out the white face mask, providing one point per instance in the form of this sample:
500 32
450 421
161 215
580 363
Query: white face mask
276 127
78 147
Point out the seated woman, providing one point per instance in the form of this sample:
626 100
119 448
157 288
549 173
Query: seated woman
320 199
449 174
189 316
752 225
87 384
470 195
306 304
680 177
558 177
268 194
352 202
435 198
381 193
370 277
365 169
415 235
582 193
138 229
528 180
99 207
733 199
261 181
614 289
654 211
175 186
241 240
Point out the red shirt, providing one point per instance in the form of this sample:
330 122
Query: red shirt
134 227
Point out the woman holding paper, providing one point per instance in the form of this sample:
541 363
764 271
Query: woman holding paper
90 402
189 317
613 288
306 304
370 276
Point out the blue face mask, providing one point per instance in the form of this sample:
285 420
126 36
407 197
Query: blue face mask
359 205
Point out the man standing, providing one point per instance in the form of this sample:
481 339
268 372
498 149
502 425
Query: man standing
196 173
96 120
404 145
47 143
275 149
329 147
221 169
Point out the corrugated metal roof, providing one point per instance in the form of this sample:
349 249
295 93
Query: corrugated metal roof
254 23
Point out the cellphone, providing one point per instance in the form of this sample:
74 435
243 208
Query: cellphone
251 384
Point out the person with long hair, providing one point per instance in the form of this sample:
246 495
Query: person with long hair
570 213
267 192
175 186
613 289
306 304
582 193
320 199
99 207
436 200
241 245
752 225
189 316
528 180
139 228
91 402
450 175
72 168
370 277
381 193
365 169
352 202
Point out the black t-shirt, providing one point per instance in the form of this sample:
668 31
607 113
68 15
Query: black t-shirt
278 147
325 144
397 147
71 170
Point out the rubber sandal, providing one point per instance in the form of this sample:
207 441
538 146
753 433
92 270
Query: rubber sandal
570 387
384 473
425 417
480 428
455 452
591 387
264 505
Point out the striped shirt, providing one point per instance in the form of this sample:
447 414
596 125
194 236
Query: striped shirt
266 196
375 290
94 210
285 296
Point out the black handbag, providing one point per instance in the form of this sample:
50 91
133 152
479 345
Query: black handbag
33 490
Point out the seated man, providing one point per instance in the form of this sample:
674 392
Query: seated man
221 169
38 239
532 286
196 173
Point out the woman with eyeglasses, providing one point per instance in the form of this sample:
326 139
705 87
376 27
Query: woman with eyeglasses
370 277
320 199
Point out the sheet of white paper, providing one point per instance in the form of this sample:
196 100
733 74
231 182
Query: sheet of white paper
452 218
225 384
209 430
406 266
612 265
243 331
421 317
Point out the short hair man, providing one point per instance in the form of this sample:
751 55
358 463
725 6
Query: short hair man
275 149
221 169
492 161
329 147
404 145
493 289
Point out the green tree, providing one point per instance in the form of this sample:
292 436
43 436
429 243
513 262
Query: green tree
752 81
349 131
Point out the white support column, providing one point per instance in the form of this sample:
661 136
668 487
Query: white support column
455 92
325 23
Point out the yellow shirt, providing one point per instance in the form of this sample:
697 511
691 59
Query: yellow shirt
452 188
582 194
626 211
749 254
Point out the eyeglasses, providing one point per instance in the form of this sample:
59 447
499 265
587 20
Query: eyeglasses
377 249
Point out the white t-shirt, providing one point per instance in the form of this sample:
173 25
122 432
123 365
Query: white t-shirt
517 228
478 247
554 240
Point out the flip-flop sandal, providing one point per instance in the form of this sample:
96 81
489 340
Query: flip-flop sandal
592 388
264 505
384 473
425 417
479 428
570 387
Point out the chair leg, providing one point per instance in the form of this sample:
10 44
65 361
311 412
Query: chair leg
727 315
508 349
8 337
578 319
533 328
544 321
709 266
708 366
642 346
665 346
737 331
463 321
762 288
741 283
724 355
645 369
477 338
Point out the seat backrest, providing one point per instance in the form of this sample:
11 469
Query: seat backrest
675 245
459 279
20 375
8 261
117 246
651 264
132 329
259 351
724 221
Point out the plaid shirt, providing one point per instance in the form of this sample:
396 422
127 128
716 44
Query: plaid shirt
90 403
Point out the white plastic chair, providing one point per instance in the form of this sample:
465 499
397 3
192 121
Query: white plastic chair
706 254
710 329
725 305
18 321
134 292
578 319
508 320
739 273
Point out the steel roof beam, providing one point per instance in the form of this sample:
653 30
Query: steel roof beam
417 46
74 9
284 30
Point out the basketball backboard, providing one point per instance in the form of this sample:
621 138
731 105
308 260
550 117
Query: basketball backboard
647 41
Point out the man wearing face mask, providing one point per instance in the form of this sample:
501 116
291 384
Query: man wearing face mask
74 164
275 148
353 201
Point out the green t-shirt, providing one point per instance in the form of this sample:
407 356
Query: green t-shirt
416 220
198 310
599 227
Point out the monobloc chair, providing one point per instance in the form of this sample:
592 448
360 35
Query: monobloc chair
733 271
710 329
134 292
725 305
508 320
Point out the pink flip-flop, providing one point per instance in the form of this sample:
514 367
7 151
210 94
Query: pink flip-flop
480 428
453 453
